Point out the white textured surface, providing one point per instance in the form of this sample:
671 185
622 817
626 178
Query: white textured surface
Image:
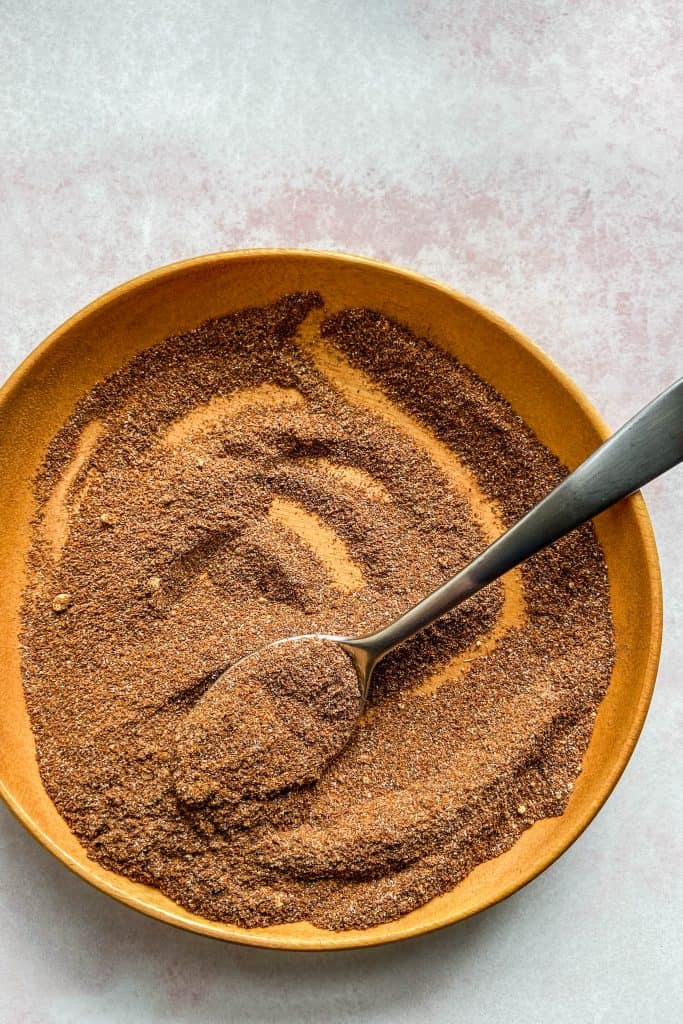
527 153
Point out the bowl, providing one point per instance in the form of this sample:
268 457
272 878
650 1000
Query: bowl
40 396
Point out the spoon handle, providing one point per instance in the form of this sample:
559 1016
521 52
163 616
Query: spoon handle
642 449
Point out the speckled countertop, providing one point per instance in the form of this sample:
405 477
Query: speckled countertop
526 153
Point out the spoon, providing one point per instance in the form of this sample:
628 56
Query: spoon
645 447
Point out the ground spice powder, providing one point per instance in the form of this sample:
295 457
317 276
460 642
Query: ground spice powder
290 470
272 721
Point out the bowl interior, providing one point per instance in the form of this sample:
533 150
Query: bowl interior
41 396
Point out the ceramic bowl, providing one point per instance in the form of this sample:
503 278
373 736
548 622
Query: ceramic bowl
40 396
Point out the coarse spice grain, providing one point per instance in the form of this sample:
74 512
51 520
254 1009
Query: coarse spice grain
279 471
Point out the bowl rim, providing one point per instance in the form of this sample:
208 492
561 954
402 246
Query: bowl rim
351 939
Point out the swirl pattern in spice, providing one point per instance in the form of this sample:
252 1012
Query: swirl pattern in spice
286 470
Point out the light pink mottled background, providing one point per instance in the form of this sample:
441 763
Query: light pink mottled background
527 153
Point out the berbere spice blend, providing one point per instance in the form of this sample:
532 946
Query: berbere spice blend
289 470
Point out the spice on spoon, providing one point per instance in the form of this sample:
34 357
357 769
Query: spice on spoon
272 721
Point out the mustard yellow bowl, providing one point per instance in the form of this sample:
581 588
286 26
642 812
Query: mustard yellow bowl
95 342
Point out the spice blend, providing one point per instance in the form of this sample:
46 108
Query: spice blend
280 471
271 722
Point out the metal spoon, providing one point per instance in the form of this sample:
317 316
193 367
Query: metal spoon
645 447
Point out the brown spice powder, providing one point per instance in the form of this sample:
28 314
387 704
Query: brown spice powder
272 721
248 481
